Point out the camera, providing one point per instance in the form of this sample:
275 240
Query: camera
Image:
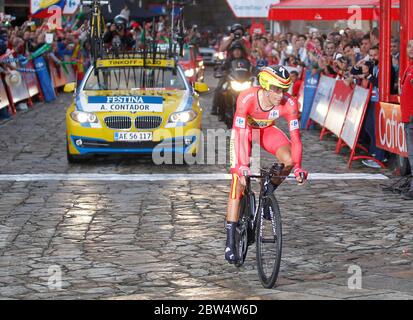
369 63
237 36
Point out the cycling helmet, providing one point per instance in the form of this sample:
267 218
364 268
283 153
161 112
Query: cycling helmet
274 76
236 27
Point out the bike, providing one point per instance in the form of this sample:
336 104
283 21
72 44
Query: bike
261 224
97 25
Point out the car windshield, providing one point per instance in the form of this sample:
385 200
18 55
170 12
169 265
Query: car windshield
127 78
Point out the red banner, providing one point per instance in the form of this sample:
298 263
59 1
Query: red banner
390 133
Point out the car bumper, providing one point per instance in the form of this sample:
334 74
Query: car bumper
89 141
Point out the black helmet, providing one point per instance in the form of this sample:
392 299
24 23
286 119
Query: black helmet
236 27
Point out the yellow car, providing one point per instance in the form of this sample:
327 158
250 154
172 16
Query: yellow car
134 106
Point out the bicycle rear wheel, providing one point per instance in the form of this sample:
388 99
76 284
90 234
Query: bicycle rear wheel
269 241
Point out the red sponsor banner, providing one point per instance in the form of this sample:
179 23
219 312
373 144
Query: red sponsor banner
390 133
257 28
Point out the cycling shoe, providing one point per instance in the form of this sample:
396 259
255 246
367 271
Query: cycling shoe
230 255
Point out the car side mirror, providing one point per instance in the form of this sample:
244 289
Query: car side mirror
201 87
70 87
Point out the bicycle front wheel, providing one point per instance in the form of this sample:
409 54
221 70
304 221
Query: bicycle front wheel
269 241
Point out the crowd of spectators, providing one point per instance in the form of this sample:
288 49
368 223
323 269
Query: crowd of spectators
349 55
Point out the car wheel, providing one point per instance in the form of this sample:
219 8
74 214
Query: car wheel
73 159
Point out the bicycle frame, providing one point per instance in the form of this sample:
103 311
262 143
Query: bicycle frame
265 190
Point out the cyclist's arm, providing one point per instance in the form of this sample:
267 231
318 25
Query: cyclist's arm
294 127
240 145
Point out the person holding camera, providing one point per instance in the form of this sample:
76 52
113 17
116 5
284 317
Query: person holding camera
406 103
117 35
237 34
369 126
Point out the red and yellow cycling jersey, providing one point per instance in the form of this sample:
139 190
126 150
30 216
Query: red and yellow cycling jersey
252 123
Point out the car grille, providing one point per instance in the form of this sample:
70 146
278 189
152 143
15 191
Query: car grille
118 122
148 122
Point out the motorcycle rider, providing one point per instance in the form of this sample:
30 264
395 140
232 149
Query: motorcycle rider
236 37
235 52
117 34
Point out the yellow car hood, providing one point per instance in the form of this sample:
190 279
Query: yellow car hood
173 100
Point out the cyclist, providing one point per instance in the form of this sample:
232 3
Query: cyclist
258 109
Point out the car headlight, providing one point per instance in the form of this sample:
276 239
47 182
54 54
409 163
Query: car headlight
84 117
219 55
240 86
184 116
189 73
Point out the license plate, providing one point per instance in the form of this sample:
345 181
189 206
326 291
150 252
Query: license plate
133 136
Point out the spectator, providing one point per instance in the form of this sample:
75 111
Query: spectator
395 56
295 88
125 12
375 37
365 47
407 111
352 53
301 50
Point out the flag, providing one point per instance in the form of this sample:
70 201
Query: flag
40 8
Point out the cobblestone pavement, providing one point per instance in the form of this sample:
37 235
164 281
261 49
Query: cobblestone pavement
164 240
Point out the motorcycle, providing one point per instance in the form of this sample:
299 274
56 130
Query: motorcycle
238 77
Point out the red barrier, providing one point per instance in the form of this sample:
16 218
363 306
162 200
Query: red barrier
18 91
32 83
390 133
58 75
338 108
